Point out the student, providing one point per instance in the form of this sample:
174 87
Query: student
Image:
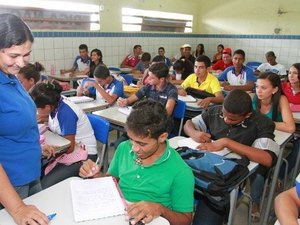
133 59
291 88
20 151
204 81
287 205
199 51
270 101
183 68
158 89
187 53
151 174
96 59
218 55
161 52
29 75
144 63
81 65
271 65
105 86
178 55
226 61
238 76
68 120
245 132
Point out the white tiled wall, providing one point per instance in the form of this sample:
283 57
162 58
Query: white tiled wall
62 51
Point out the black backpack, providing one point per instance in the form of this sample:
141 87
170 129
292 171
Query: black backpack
215 175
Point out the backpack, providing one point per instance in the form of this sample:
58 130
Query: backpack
198 93
215 175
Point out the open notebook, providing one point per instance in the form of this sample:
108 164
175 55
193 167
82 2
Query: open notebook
190 143
96 198
80 99
187 98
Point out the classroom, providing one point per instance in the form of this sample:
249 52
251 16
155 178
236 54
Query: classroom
91 113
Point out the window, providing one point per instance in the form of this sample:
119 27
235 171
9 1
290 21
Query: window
54 15
148 20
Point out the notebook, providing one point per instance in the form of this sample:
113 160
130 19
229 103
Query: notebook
125 110
190 143
80 99
187 98
96 198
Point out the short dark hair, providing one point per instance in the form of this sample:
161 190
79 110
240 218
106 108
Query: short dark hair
239 52
178 65
32 71
270 54
238 102
101 72
148 118
46 94
146 57
137 46
83 46
158 58
13 31
205 59
161 48
160 70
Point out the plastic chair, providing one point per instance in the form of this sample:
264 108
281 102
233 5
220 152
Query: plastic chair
128 77
179 112
101 129
114 69
253 65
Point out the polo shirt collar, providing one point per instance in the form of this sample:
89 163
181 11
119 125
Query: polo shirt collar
7 78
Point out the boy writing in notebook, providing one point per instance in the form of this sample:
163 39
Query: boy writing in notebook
152 175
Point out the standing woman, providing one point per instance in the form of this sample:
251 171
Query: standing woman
20 151
96 59
68 120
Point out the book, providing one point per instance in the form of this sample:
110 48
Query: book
125 110
80 99
96 198
190 143
187 98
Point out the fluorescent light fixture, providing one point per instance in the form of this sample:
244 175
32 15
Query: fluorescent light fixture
53 5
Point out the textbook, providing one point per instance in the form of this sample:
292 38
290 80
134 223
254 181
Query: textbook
96 198
80 99
190 143
187 98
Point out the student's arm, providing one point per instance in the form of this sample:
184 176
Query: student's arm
197 135
287 206
90 169
122 102
170 106
218 99
125 62
71 138
249 86
111 99
288 123
147 211
83 72
20 212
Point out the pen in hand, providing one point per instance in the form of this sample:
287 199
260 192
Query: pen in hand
51 216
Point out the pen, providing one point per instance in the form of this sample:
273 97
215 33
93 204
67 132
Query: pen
51 216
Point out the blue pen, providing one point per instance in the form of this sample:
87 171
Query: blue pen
51 216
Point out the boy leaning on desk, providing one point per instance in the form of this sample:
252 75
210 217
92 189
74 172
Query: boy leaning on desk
235 126
150 173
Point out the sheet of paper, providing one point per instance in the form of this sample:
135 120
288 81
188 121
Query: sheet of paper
125 110
187 98
96 198
190 143
80 99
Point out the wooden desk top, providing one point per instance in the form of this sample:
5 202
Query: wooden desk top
67 77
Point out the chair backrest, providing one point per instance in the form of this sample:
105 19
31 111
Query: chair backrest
128 77
113 69
253 64
101 129
179 113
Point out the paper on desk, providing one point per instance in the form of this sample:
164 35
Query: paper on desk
187 98
190 143
96 198
125 110
80 99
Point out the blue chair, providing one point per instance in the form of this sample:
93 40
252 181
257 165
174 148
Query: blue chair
253 65
179 113
128 77
114 69
101 129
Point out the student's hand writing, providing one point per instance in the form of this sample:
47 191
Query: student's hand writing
48 150
88 169
213 146
145 211
201 137
182 92
29 214
204 103
122 102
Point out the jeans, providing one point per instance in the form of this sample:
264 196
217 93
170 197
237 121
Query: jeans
257 185
61 172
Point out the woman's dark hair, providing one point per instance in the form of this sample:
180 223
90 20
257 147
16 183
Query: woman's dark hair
201 51
13 31
148 118
238 102
93 65
46 94
32 71
101 72
275 82
297 66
